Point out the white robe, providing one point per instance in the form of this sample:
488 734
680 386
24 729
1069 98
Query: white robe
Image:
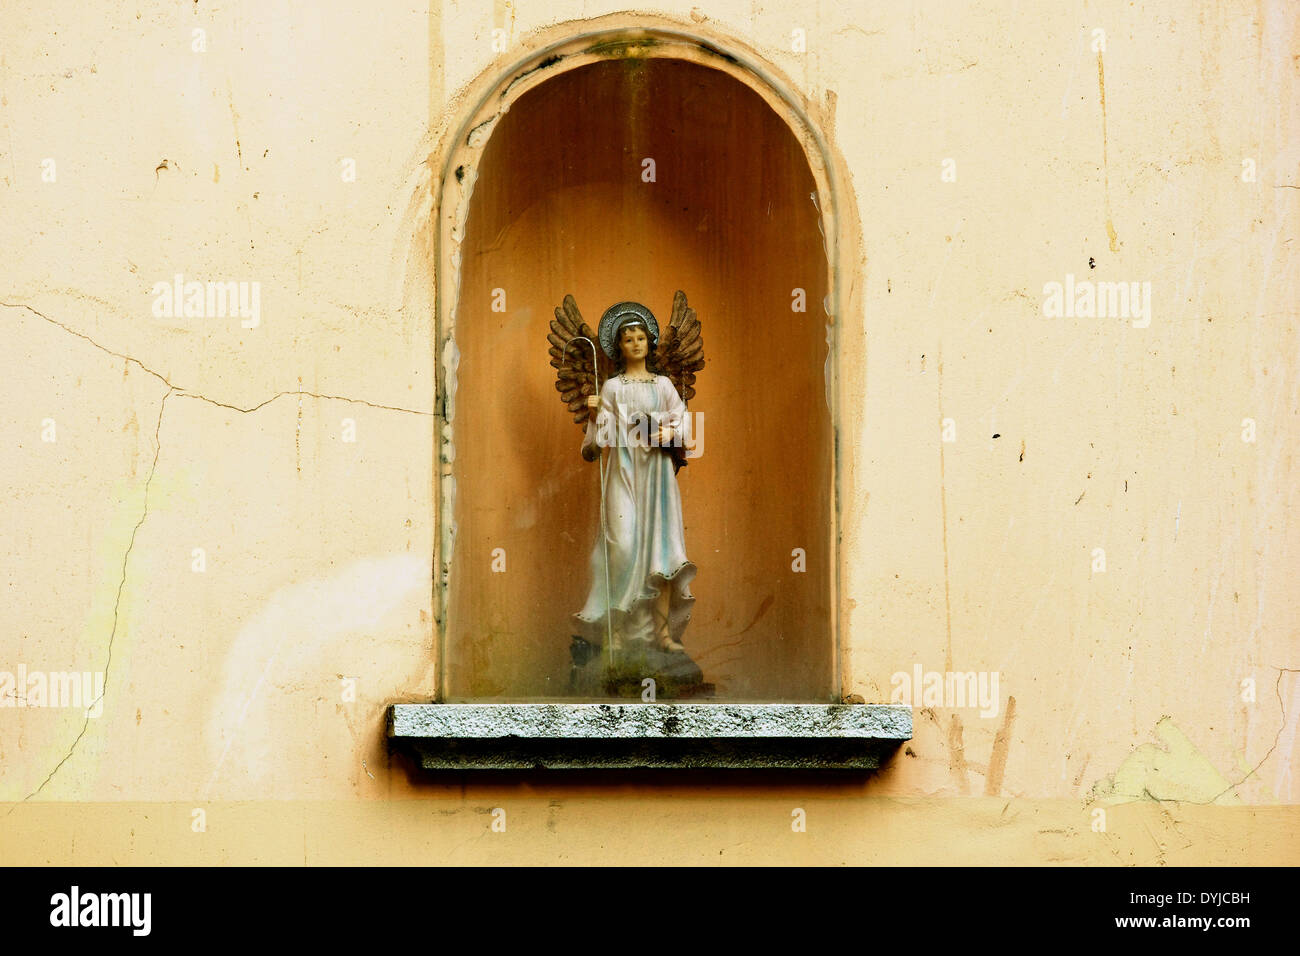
643 515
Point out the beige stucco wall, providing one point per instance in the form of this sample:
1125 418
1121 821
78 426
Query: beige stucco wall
1120 690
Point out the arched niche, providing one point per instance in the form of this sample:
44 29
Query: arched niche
546 194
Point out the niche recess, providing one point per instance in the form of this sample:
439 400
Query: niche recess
550 197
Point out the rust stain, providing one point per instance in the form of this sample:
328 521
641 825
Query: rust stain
998 759
133 428
1078 777
1105 158
943 511
234 123
297 434
762 609
957 755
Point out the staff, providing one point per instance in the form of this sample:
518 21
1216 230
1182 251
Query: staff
604 535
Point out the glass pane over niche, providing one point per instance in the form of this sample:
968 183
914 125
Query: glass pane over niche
641 468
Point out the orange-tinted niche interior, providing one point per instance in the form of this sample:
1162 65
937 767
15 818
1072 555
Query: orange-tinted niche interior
561 206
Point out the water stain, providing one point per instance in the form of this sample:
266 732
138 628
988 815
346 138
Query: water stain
998 759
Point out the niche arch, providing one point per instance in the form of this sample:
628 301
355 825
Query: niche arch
543 193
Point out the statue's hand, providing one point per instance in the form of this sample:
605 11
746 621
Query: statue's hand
664 436
590 452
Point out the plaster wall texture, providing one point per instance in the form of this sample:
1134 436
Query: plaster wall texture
265 676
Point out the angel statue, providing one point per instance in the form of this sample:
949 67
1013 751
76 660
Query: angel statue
640 600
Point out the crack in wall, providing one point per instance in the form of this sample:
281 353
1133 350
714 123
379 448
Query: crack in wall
117 603
1277 688
172 389
187 393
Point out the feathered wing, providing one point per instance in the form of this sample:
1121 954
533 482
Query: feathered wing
575 371
681 348
680 355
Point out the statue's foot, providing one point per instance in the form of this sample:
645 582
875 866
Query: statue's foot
664 634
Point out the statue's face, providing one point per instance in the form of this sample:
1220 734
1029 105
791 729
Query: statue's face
634 343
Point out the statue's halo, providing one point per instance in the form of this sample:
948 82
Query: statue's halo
615 315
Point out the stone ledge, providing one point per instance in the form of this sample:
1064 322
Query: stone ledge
629 736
